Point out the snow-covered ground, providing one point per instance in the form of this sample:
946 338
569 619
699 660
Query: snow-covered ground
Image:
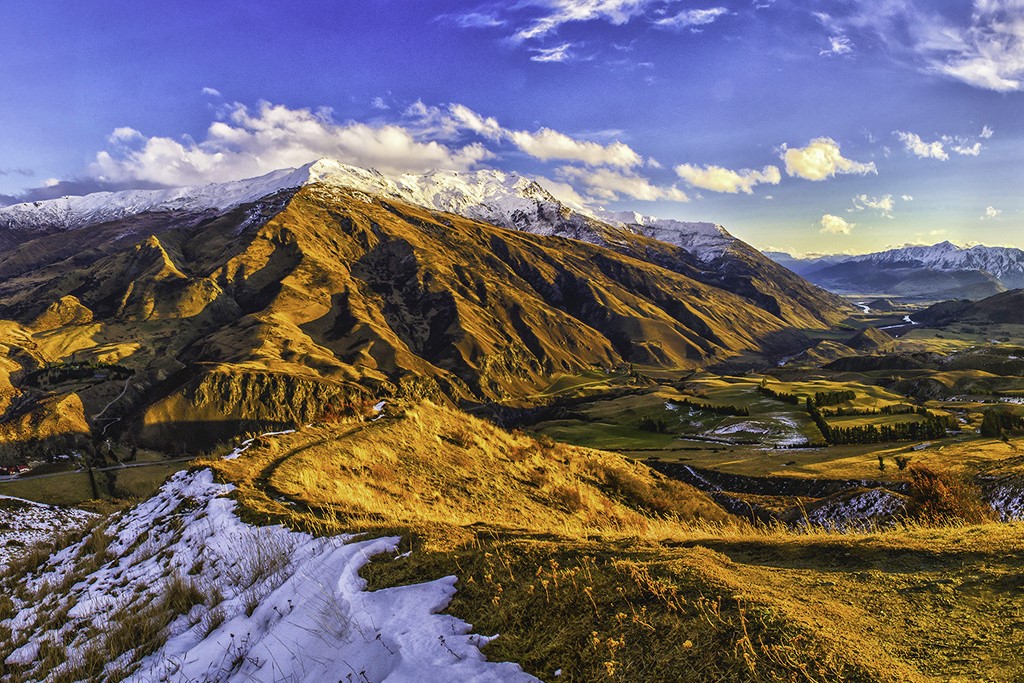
280 605
772 431
1007 499
856 510
24 523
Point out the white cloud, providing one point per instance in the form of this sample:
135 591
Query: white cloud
991 213
718 179
559 12
488 127
883 205
991 53
379 104
821 159
837 45
124 134
558 53
964 146
608 185
968 150
834 225
212 92
563 192
692 17
918 147
981 45
477 20
544 144
249 143
907 197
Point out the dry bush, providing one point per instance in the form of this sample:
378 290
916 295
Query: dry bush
942 498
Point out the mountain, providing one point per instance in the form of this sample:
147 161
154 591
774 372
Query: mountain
940 271
1005 308
179 317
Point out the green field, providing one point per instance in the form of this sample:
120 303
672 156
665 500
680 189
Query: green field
72 488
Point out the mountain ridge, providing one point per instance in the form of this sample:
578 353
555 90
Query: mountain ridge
940 271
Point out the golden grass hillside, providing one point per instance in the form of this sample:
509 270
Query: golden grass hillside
601 570
438 472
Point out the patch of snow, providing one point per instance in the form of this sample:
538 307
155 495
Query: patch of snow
707 241
26 523
249 442
858 510
1007 499
288 606
750 427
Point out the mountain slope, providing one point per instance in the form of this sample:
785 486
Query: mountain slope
707 252
223 322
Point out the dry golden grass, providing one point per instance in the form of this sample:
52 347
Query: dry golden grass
593 565
437 471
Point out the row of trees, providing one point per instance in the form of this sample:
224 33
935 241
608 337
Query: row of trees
831 398
997 422
738 411
931 427
778 395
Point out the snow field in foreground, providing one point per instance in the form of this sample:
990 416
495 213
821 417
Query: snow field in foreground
280 605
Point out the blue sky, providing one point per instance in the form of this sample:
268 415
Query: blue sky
814 126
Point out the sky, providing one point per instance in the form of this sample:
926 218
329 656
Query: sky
813 126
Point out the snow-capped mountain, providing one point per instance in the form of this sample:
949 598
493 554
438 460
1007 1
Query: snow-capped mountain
938 271
1005 263
706 240
506 199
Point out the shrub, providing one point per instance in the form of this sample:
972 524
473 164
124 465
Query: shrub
942 498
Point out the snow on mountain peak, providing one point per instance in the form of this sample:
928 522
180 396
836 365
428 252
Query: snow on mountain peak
505 198
706 240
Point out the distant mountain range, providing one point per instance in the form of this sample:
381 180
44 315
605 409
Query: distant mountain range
183 316
940 271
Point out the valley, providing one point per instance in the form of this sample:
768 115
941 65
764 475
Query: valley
633 448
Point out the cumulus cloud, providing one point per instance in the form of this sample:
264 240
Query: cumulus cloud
991 213
968 150
609 184
821 159
212 92
835 225
718 179
939 149
919 148
883 205
379 104
692 18
544 143
248 143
